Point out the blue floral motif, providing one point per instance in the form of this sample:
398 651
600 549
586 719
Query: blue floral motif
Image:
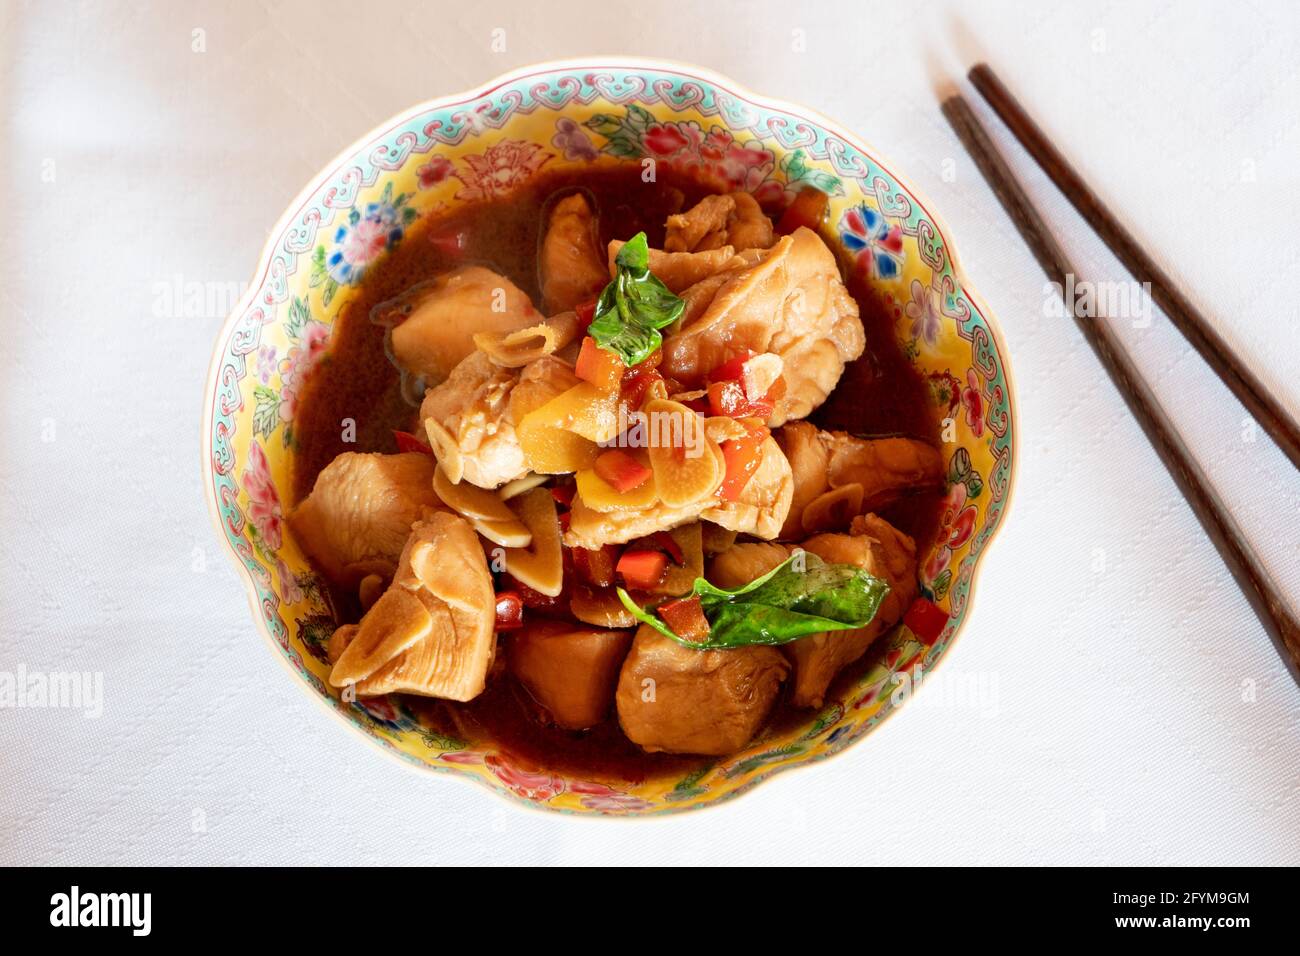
366 236
875 244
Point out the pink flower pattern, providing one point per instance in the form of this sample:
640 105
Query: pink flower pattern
434 171
500 169
263 500
973 401
956 525
297 365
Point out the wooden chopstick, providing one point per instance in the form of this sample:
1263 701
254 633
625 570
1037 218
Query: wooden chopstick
1186 318
1260 590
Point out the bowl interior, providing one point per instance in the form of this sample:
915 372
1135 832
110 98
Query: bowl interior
484 144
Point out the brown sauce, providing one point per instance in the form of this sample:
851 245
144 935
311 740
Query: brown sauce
879 394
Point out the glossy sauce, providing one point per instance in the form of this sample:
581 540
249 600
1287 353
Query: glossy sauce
879 394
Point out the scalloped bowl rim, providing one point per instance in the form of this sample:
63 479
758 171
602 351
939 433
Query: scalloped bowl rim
331 168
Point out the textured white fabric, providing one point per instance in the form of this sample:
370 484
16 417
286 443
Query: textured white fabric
1115 649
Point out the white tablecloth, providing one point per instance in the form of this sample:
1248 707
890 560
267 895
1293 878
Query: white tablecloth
1133 710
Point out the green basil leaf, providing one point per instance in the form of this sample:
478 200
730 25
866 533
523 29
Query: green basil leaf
803 595
634 306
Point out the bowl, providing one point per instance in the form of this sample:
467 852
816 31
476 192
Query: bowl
484 143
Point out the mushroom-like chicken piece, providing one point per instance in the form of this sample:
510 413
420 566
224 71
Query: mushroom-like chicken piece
788 300
433 631
679 271
877 471
434 324
884 552
570 264
359 513
471 417
733 220
569 669
682 700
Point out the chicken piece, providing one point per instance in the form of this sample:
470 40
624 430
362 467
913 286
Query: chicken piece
885 469
433 632
434 324
569 669
764 502
810 460
734 220
682 700
570 264
791 302
359 513
742 563
678 271
884 552
592 529
471 417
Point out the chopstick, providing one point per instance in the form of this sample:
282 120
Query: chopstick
1260 590
1194 327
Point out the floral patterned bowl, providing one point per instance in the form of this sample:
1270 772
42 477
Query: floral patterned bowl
482 144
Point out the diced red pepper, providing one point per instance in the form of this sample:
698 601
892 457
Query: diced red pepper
686 618
733 369
807 210
620 470
408 442
563 494
728 396
565 518
642 569
926 620
596 567
586 311
598 366
743 456
451 244
666 541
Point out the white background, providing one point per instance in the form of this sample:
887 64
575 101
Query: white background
1124 728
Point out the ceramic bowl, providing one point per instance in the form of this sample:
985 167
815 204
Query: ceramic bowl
482 144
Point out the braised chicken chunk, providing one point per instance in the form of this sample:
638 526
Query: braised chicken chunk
359 514
876 472
715 222
886 553
432 632
790 302
471 417
683 700
441 318
571 266
569 669
680 270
